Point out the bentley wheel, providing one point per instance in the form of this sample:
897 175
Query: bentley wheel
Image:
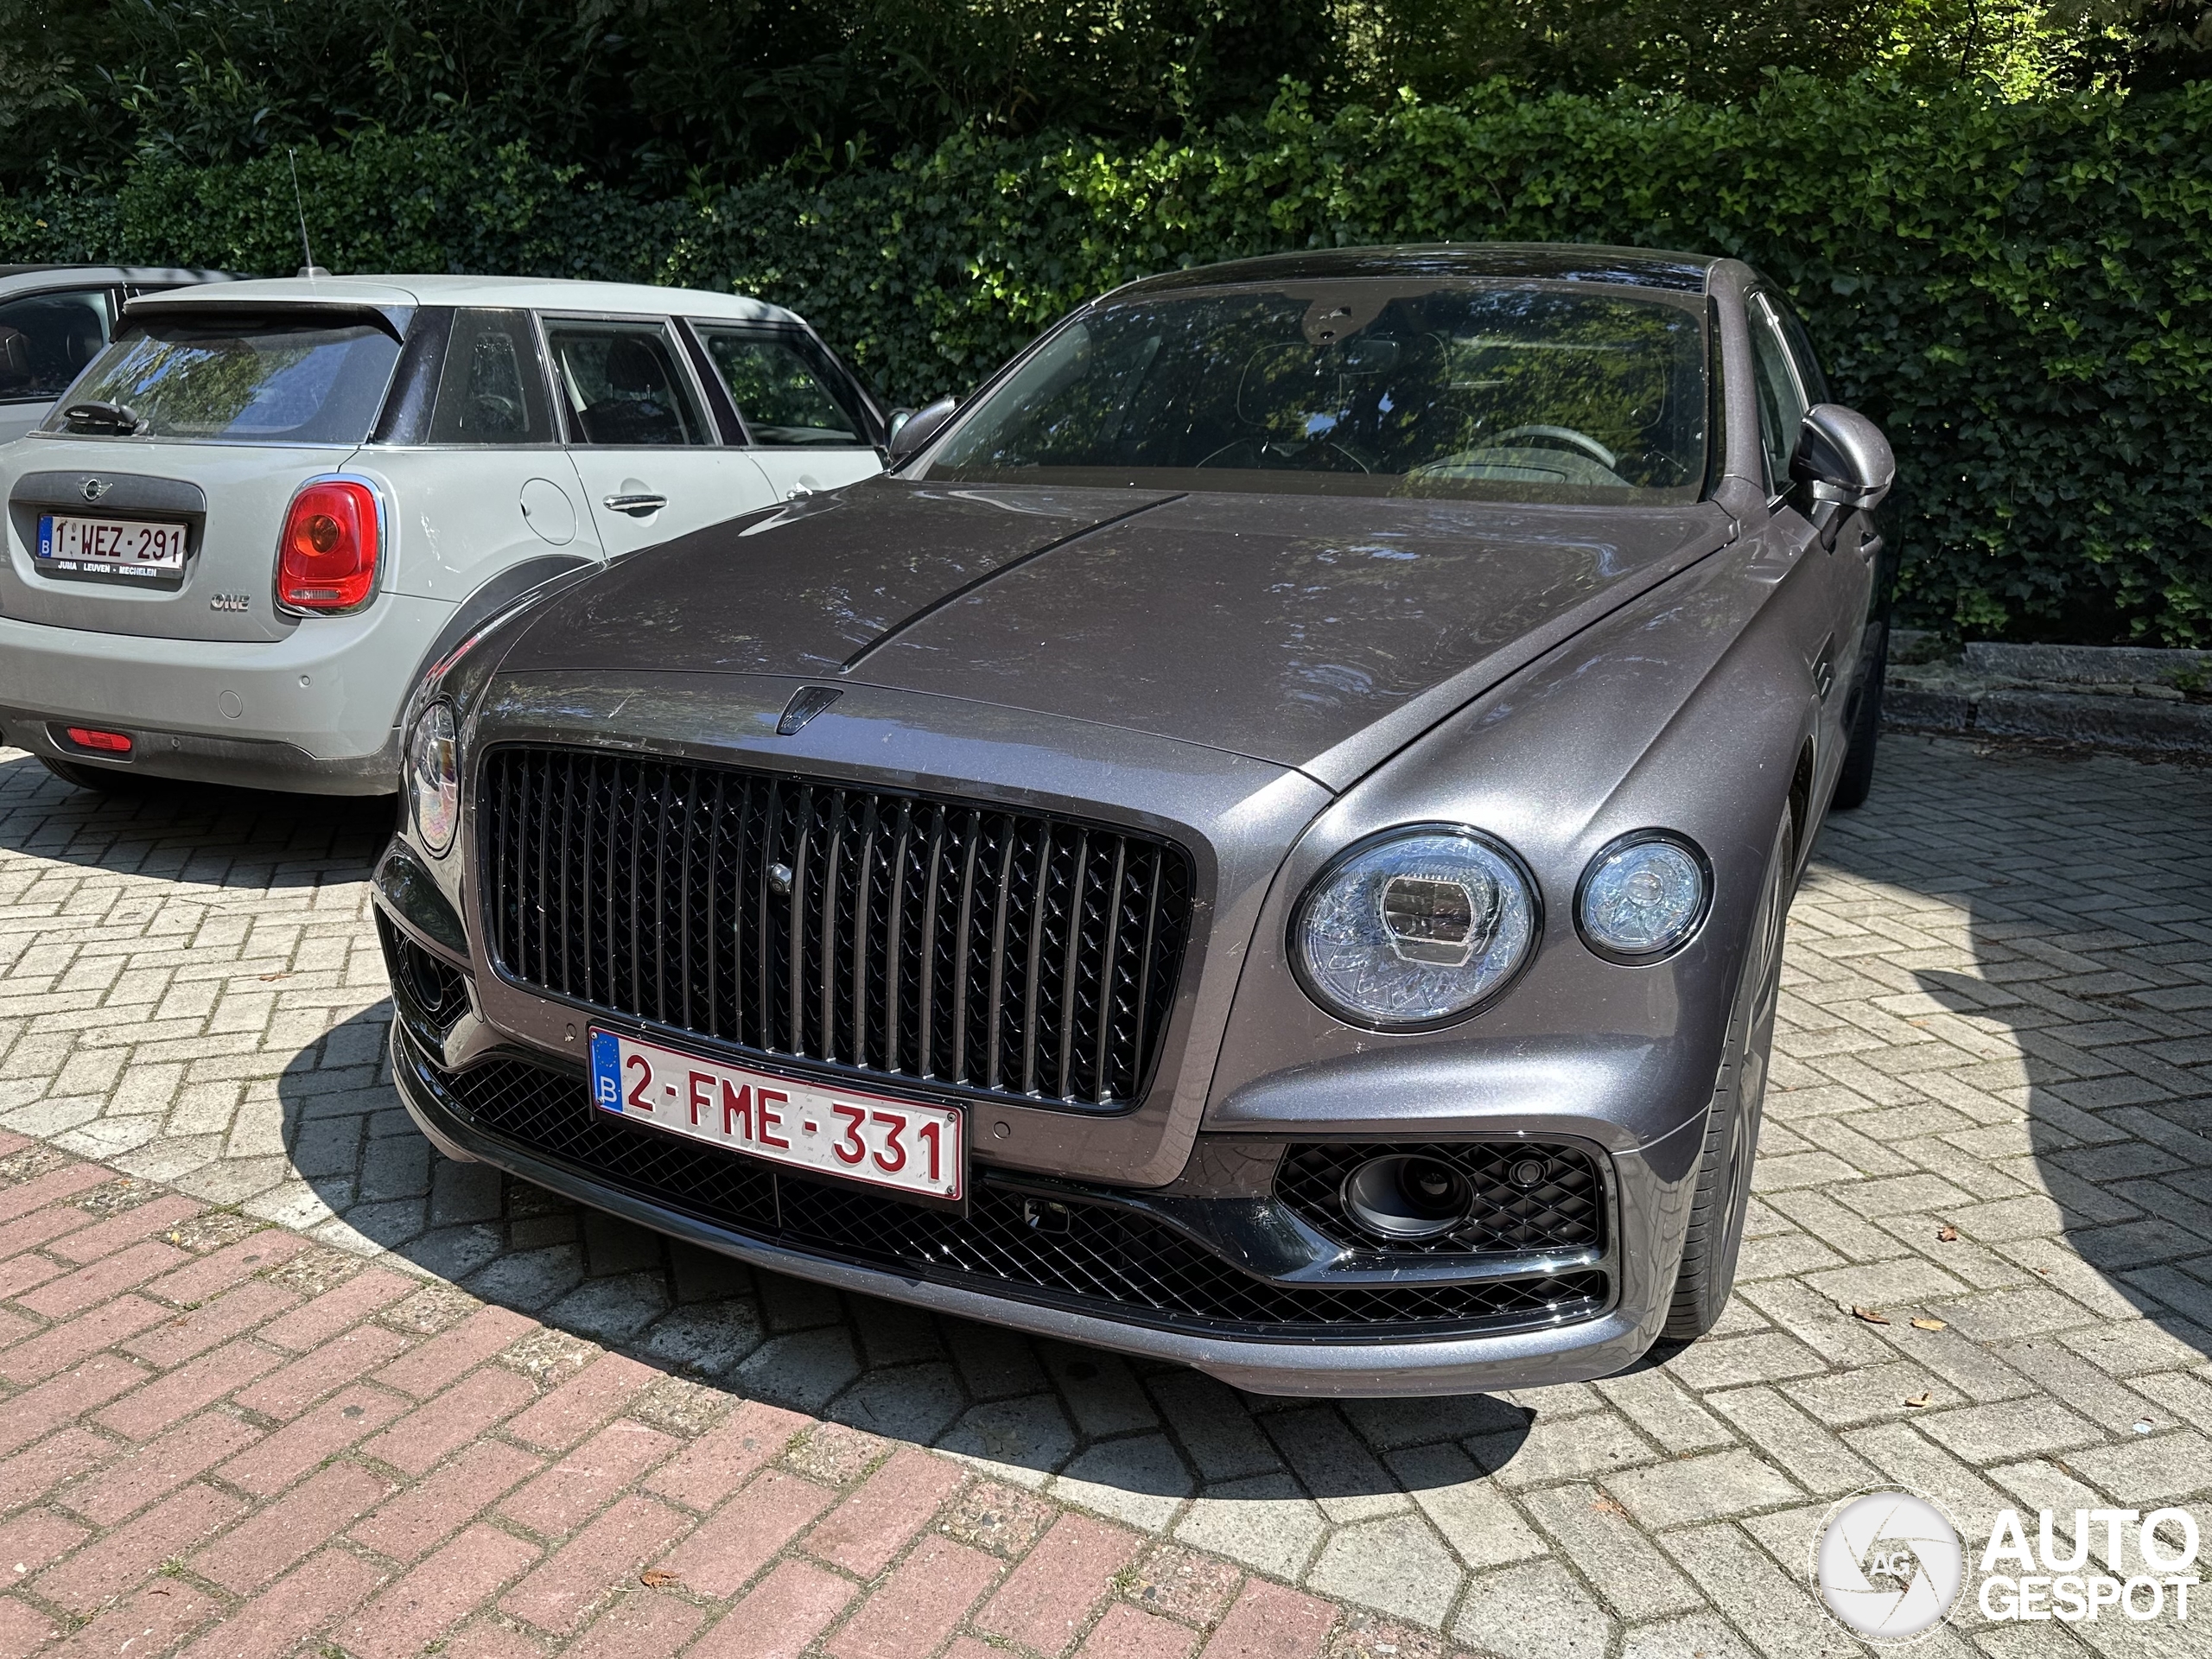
1731 1133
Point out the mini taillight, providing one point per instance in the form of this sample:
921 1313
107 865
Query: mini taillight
110 742
327 561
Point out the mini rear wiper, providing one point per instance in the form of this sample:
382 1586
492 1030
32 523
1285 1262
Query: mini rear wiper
118 418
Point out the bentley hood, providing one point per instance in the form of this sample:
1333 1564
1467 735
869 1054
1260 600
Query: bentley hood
1318 632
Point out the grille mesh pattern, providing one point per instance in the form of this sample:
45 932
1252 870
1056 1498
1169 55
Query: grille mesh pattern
1563 1209
943 941
1094 1255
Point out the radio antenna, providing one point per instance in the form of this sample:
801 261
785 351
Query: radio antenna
299 206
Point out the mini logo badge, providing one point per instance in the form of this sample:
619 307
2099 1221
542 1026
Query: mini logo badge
96 488
1889 1565
230 602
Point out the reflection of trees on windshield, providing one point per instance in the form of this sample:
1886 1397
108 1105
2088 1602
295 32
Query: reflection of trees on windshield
306 385
1527 393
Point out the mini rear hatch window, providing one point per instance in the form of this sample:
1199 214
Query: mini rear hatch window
263 381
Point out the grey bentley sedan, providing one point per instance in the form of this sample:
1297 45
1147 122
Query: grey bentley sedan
1262 841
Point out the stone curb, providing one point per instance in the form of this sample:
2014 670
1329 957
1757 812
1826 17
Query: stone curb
2104 721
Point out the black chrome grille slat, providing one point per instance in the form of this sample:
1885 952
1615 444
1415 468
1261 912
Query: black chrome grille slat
1007 952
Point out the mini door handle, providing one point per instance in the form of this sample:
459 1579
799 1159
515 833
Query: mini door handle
1869 548
638 506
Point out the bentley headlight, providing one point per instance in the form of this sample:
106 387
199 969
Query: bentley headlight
433 778
1415 927
1643 896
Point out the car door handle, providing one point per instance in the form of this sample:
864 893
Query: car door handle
1869 548
638 506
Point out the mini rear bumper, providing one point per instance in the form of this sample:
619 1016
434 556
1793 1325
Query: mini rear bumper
315 712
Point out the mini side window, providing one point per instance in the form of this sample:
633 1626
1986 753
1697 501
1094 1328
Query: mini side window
492 388
785 401
623 385
46 340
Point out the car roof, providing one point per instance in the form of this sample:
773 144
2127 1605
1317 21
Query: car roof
1551 262
521 292
10 275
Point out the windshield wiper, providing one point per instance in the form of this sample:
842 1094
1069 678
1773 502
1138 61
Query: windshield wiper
119 419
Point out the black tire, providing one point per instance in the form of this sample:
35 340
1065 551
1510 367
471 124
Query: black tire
1856 780
1731 1128
99 779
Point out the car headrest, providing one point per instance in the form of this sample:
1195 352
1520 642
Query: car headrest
633 368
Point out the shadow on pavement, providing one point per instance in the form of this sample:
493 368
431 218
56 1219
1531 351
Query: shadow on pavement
1132 1438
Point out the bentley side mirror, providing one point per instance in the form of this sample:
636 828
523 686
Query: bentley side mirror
1843 463
916 428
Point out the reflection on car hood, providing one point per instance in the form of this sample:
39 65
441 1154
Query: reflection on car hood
1313 632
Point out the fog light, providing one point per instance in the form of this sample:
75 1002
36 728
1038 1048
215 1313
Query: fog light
1406 1199
87 737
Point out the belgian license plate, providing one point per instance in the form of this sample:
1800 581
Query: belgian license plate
918 1150
123 547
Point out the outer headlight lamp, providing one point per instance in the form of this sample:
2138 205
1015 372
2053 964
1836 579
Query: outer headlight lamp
1415 927
1644 896
433 778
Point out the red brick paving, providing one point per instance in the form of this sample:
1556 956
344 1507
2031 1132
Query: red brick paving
200 1461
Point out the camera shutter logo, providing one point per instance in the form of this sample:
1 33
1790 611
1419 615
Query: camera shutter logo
1889 1565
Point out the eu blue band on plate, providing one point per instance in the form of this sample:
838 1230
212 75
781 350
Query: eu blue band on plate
607 1071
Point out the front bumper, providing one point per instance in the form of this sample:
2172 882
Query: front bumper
1577 1337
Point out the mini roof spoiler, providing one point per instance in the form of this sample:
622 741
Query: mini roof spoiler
391 318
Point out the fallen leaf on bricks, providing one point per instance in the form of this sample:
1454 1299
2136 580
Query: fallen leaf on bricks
1930 1325
1606 1506
1918 1399
1871 1315
654 1578
1947 1234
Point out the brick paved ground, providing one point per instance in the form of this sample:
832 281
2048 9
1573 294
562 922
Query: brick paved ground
275 1381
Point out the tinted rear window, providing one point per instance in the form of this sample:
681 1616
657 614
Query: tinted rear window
1517 392
257 382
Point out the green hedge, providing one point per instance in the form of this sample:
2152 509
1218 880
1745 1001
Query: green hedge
2021 293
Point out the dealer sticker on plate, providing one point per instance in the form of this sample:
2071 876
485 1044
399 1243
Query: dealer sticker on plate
894 1143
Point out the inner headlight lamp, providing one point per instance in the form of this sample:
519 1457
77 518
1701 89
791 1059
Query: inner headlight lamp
1643 896
1415 927
433 778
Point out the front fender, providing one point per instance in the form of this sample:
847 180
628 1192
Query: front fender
1688 709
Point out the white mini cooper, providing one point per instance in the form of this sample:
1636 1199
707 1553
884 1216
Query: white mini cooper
264 507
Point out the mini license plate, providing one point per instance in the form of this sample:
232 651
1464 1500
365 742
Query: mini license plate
118 547
918 1150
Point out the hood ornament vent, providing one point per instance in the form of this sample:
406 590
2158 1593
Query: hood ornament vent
806 702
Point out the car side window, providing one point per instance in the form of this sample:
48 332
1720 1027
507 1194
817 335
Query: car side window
783 399
492 388
46 340
623 384
1781 406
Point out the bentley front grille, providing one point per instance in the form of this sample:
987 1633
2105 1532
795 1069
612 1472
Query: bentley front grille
946 941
